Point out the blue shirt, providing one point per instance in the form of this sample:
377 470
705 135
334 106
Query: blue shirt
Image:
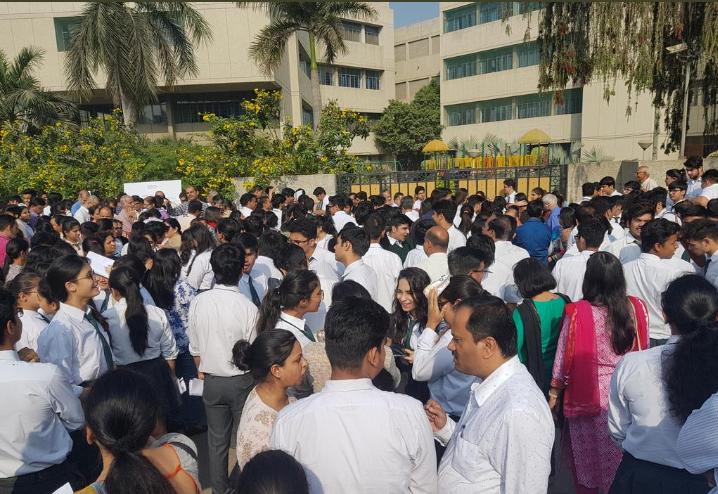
535 238
553 224
75 206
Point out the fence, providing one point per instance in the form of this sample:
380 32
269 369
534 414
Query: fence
486 180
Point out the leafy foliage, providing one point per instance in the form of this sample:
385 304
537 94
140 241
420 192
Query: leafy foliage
405 128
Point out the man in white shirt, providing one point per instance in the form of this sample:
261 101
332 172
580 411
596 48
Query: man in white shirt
322 198
396 239
339 208
40 410
436 264
628 248
510 190
419 197
501 230
194 211
218 318
694 172
255 277
83 213
503 441
477 260
608 187
710 188
443 215
417 254
639 415
570 271
385 264
701 237
351 437
352 244
248 203
648 276
644 178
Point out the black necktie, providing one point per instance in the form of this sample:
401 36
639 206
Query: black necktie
705 268
308 333
253 292
105 346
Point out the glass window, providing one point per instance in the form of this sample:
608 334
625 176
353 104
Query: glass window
572 102
419 48
400 52
372 79
307 115
459 67
496 61
460 18
153 114
304 63
64 29
326 76
528 54
461 114
496 110
189 107
349 77
534 105
529 6
371 34
494 11
351 31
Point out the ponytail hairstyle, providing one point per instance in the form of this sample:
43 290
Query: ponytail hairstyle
24 282
14 249
271 347
126 282
467 219
295 287
121 411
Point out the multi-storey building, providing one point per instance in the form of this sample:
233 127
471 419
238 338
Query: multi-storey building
417 58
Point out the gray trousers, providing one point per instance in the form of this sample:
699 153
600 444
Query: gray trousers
223 399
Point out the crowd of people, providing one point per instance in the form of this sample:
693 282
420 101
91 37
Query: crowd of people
437 343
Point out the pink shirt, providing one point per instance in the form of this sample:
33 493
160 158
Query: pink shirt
3 248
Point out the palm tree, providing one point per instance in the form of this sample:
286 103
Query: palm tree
23 99
323 23
135 44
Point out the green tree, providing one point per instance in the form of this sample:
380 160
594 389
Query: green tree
23 100
135 44
607 41
323 23
405 128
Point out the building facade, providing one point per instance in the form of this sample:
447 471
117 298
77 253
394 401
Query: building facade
417 58
362 79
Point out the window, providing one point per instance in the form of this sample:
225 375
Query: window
88 112
326 76
419 48
496 110
528 54
496 61
461 115
351 31
435 45
304 63
153 114
534 105
459 67
494 11
572 102
400 90
529 6
64 29
400 52
189 107
307 115
460 18
371 34
349 77
372 79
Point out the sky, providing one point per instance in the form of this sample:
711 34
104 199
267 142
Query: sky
411 12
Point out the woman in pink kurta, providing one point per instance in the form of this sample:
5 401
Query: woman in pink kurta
595 333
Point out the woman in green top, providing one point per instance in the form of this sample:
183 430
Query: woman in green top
537 319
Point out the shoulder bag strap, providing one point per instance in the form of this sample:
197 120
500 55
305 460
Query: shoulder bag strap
532 337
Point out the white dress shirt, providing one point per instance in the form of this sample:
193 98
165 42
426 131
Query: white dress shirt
711 274
39 408
387 266
697 444
201 276
617 231
412 215
647 278
509 254
709 192
265 265
503 442
498 280
616 247
73 344
363 274
295 326
325 265
259 282
456 239
245 211
694 187
639 416
324 243
341 219
83 215
160 340
33 324
648 184
436 266
569 273
415 257
417 205
352 438
218 318
434 362
510 198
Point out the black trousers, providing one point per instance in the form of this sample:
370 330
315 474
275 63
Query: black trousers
43 482
636 476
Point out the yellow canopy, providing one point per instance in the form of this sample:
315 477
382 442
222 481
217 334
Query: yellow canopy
435 146
535 136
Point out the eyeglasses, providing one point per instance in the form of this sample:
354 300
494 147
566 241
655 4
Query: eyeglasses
88 276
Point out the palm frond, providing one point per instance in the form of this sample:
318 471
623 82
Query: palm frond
268 47
356 10
26 61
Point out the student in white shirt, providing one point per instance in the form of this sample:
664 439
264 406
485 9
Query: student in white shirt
407 207
270 248
141 337
628 248
502 230
322 198
197 245
608 187
248 203
339 208
418 233
436 264
477 260
352 244
710 188
648 276
24 287
255 277
639 415
510 190
443 215
351 437
569 271
504 438
218 318
385 264
419 197
694 173
702 237
39 411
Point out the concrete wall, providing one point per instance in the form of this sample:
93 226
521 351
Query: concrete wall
306 182
413 73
